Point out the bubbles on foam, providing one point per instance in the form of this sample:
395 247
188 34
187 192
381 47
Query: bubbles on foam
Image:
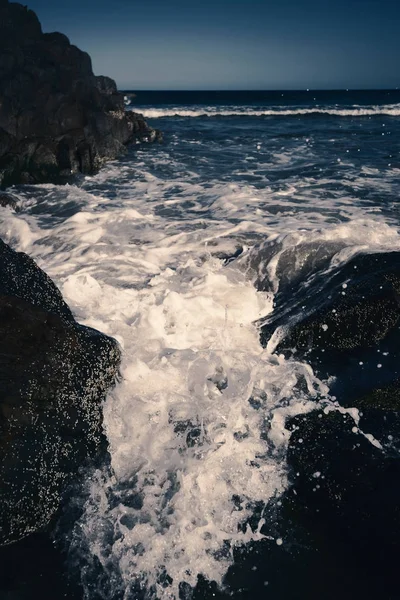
196 426
392 110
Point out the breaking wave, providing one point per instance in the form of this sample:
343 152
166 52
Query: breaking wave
390 110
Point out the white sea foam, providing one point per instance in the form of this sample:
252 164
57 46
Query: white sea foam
390 110
197 424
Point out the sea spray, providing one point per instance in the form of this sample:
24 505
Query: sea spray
197 426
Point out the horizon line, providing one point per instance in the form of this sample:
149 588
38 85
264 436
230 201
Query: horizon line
313 90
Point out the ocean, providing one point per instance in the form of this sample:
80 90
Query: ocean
154 251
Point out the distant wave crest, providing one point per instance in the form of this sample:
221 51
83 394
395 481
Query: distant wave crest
391 110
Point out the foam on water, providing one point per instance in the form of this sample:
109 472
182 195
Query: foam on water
196 425
186 429
391 110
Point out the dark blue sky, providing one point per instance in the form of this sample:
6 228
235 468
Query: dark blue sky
234 44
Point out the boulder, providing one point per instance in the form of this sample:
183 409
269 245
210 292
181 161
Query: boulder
345 323
338 523
54 375
56 116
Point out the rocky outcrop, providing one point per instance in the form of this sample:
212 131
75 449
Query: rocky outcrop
54 374
56 116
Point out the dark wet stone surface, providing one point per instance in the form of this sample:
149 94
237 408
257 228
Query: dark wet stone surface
56 116
54 374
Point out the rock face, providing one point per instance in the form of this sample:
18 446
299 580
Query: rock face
54 374
56 117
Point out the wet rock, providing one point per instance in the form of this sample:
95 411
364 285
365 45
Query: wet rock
339 521
54 374
9 200
345 493
56 116
347 326
386 398
335 532
34 568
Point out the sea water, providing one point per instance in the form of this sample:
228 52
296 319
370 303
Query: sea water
163 250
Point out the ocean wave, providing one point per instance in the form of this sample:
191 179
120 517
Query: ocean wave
390 110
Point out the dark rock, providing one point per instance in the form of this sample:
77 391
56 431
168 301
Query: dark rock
345 324
54 374
327 454
386 398
35 568
7 199
340 519
56 116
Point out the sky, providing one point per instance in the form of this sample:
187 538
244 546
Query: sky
234 44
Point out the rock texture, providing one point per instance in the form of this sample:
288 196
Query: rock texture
359 307
54 374
56 117
342 510
346 325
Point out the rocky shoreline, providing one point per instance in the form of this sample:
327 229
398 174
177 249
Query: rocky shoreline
56 117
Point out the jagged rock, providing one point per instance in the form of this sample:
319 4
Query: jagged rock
56 116
54 374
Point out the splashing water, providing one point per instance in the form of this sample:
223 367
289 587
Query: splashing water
195 429
196 426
